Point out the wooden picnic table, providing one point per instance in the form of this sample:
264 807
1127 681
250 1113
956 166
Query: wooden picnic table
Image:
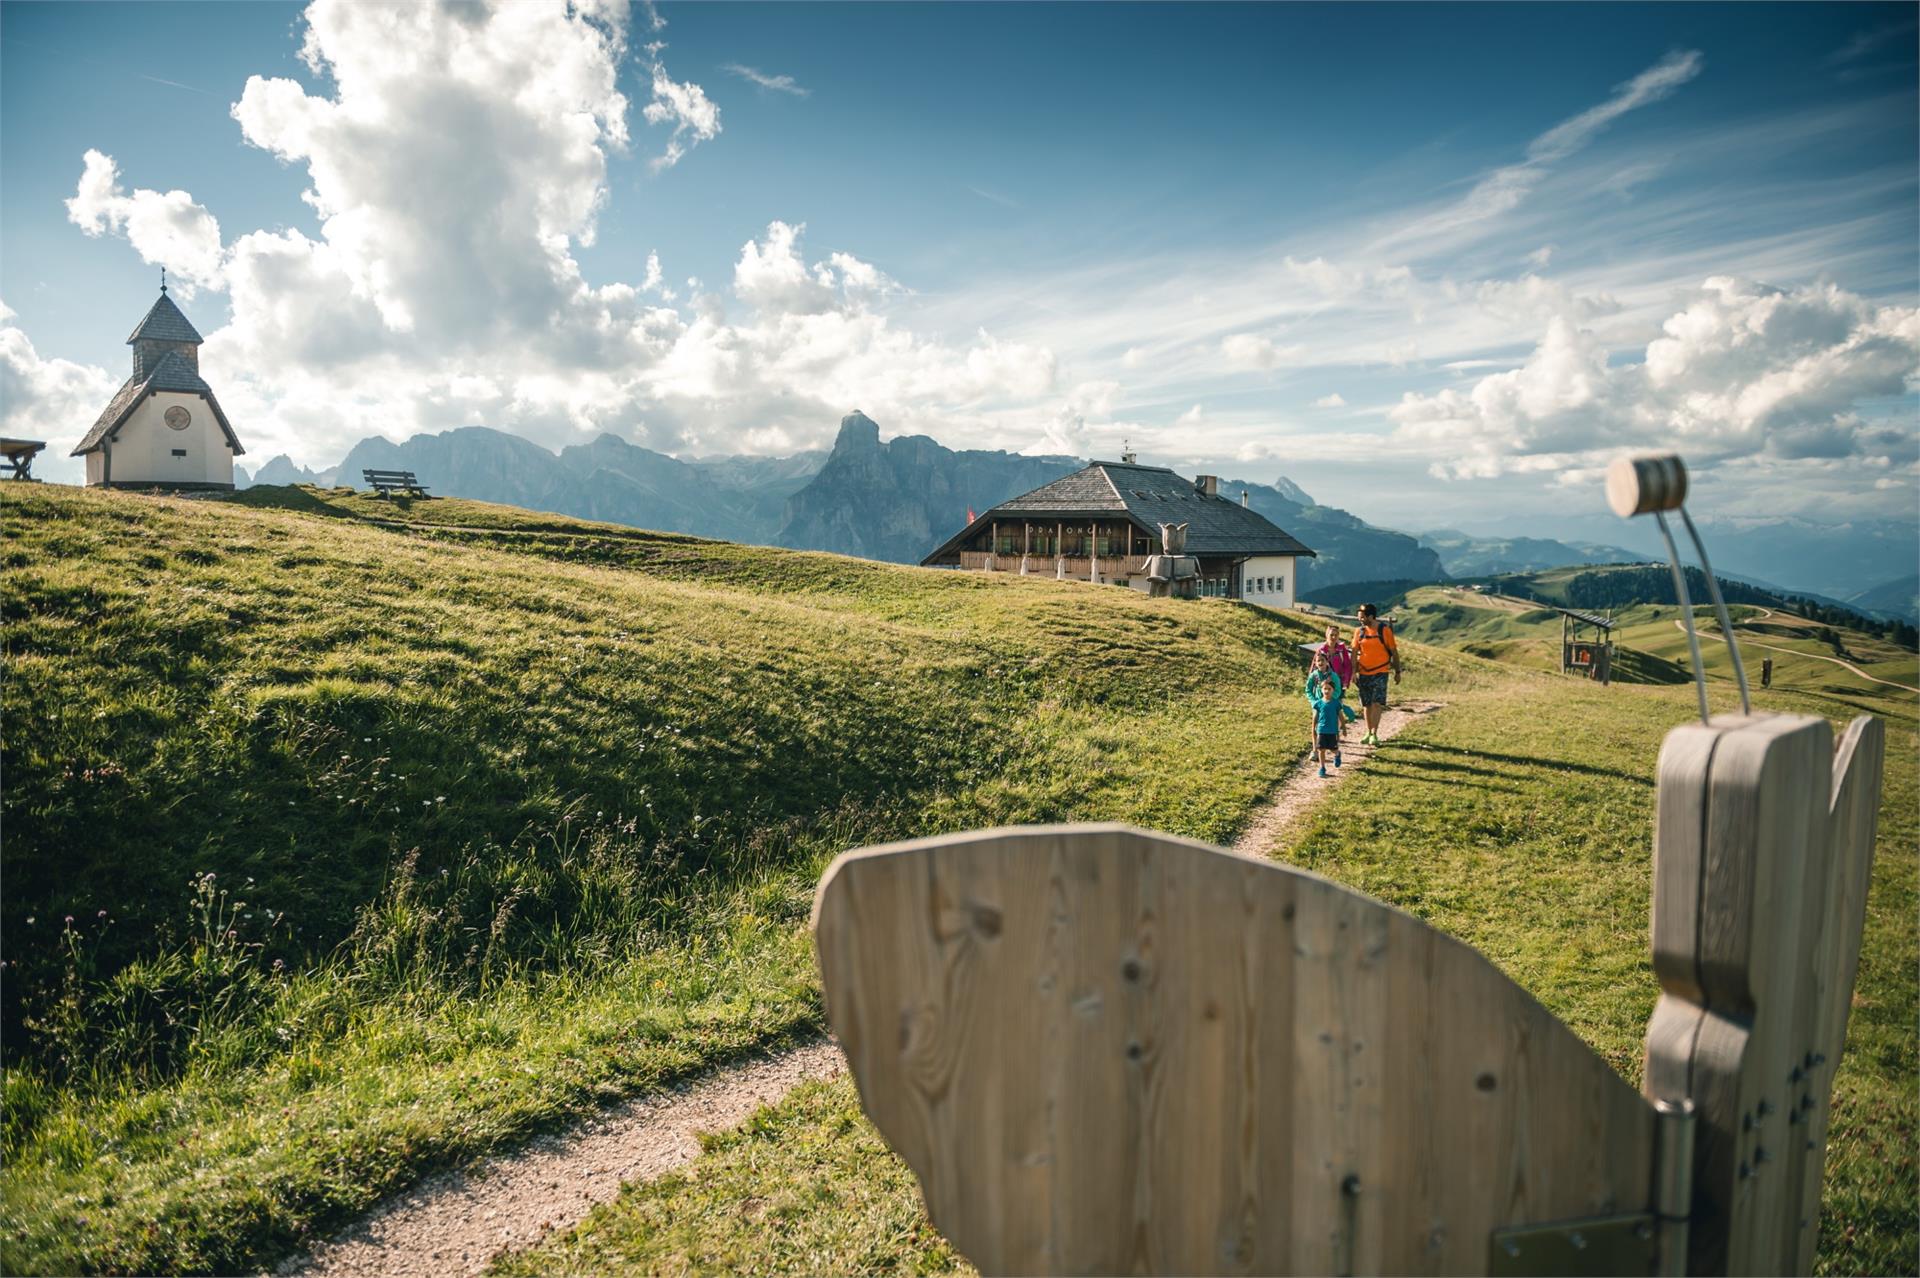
18 455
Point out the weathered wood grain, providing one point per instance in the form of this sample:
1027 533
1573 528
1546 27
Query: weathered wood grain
1760 874
1853 815
1108 1051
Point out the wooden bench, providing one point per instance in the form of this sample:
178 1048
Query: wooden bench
388 482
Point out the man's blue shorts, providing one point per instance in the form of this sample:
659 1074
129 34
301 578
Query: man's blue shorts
1373 689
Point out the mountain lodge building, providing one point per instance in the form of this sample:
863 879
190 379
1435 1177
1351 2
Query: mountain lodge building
1103 524
163 428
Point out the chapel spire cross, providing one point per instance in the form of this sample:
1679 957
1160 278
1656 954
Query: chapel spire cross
163 279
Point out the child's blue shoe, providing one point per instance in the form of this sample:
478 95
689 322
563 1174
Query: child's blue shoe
1336 758
1323 769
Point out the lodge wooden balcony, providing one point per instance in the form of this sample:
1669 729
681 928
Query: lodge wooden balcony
1078 567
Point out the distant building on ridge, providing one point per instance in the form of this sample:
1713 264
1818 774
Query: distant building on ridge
1103 524
164 428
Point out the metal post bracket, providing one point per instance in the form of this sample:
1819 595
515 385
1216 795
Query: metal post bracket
1621 1244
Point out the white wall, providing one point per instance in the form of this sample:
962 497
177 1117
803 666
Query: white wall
1268 580
143 448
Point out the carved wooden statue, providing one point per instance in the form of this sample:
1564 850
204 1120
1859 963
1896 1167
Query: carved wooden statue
1103 1050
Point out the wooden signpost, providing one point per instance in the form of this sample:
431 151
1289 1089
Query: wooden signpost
1103 1050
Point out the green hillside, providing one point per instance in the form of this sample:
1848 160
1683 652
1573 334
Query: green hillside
346 839
312 773
1809 655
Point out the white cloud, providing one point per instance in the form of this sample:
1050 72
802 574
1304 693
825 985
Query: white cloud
50 399
1503 189
457 159
1250 350
684 105
776 83
1744 371
167 230
1330 401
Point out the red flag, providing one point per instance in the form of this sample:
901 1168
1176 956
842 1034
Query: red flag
971 516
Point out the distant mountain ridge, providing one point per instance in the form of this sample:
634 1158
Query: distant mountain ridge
1467 556
1347 548
898 500
733 498
893 501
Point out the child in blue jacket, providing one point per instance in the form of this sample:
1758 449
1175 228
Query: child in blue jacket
1324 691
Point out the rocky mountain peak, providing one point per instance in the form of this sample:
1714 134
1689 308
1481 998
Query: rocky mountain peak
857 432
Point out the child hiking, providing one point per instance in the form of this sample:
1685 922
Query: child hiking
1323 690
1340 660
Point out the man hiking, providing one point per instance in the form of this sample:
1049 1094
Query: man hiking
1374 654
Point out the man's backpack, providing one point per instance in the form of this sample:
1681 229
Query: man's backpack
1373 649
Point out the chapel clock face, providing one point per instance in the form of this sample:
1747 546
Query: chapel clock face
178 417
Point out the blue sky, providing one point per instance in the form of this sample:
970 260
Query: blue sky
1436 262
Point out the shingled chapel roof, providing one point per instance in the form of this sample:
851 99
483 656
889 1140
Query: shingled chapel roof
171 374
164 323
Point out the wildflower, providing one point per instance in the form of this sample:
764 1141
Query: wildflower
29 918
439 798
279 965
101 915
69 918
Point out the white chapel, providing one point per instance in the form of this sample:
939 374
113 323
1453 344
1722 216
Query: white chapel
164 428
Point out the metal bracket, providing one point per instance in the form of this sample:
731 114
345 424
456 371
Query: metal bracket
1623 1244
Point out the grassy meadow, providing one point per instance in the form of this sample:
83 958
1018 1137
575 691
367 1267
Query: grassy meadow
1518 819
389 833
392 832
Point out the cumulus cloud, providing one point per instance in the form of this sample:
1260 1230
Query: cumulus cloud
1744 371
1250 350
36 393
168 230
1330 401
458 159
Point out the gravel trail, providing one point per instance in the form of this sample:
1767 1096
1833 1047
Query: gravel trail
455 1223
1304 786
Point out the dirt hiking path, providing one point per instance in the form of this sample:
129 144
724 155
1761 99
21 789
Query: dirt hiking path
455 1223
1304 786
1795 652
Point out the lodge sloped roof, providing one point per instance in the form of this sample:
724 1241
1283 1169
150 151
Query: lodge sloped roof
170 374
164 323
1148 496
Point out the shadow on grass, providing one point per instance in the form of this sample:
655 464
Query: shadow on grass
1424 773
1518 760
303 500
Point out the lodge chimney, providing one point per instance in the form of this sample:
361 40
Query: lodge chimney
1207 485
1243 496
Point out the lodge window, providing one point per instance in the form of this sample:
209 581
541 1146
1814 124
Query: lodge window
179 452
